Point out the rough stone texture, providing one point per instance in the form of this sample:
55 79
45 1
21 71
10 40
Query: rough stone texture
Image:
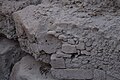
30 69
7 7
99 75
72 74
36 39
67 48
90 28
57 62
10 53
111 78
114 74
87 29
81 46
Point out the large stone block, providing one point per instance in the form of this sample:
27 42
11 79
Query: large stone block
72 74
30 69
58 63
99 75
7 7
32 31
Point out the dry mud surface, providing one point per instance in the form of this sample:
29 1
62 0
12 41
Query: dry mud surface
75 39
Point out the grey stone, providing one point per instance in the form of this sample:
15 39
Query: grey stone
7 7
51 32
33 33
57 35
74 63
72 74
85 52
84 62
57 63
71 41
108 77
30 69
68 48
10 53
88 49
62 37
114 74
60 54
81 46
89 43
99 75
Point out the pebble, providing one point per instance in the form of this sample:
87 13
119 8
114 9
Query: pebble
51 32
62 37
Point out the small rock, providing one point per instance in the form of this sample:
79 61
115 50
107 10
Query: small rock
99 75
62 55
84 61
68 33
81 46
51 32
71 41
58 30
113 74
88 48
100 54
67 48
57 63
89 43
57 34
62 37
75 59
85 52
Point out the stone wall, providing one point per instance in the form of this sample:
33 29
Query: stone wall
69 39
78 42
